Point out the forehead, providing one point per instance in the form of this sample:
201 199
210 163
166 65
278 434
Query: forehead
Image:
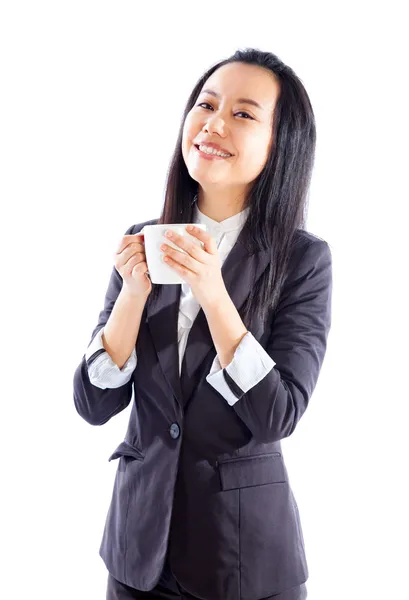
238 80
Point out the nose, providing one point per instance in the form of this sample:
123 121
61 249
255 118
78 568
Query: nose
214 124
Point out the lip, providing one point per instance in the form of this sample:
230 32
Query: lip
211 156
215 146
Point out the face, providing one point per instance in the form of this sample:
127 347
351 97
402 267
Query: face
226 114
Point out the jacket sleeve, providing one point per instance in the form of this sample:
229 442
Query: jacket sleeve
102 371
297 345
92 403
250 364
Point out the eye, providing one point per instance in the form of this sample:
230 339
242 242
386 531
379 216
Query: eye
241 112
244 113
201 104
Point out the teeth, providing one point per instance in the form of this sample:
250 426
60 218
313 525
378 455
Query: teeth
208 150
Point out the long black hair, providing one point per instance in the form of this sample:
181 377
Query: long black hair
278 196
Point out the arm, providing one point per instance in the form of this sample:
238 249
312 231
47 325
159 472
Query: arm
102 370
94 404
226 328
121 331
274 402
250 364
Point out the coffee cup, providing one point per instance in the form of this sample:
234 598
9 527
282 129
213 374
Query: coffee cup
154 236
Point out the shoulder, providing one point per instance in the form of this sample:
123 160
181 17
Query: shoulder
309 273
306 241
304 238
136 228
309 253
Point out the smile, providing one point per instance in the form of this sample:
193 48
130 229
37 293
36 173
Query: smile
211 153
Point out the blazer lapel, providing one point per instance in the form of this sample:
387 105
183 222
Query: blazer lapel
240 272
162 320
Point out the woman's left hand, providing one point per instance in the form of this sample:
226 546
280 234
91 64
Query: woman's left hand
199 267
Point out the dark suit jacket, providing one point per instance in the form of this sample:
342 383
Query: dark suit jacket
205 479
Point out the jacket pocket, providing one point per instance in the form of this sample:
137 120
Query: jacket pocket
126 449
251 471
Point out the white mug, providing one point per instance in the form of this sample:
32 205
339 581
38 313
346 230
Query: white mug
159 271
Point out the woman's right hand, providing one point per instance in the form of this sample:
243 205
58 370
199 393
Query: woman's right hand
130 262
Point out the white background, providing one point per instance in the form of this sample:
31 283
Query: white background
92 93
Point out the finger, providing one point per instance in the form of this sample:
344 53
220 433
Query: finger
183 271
137 258
196 251
209 242
182 259
130 249
128 253
132 263
141 267
128 239
125 257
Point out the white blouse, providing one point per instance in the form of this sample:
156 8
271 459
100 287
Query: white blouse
250 363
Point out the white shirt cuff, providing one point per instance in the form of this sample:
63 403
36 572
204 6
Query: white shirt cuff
102 371
250 364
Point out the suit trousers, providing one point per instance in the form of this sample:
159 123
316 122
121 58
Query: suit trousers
169 589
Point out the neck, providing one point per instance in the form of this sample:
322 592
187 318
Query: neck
220 204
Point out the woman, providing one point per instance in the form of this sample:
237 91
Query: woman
202 505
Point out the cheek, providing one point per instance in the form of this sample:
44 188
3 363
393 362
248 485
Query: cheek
188 132
256 151
186 137
191 130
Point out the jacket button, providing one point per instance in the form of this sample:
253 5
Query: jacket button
174 431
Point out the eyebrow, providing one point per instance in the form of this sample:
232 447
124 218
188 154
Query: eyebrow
241 100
